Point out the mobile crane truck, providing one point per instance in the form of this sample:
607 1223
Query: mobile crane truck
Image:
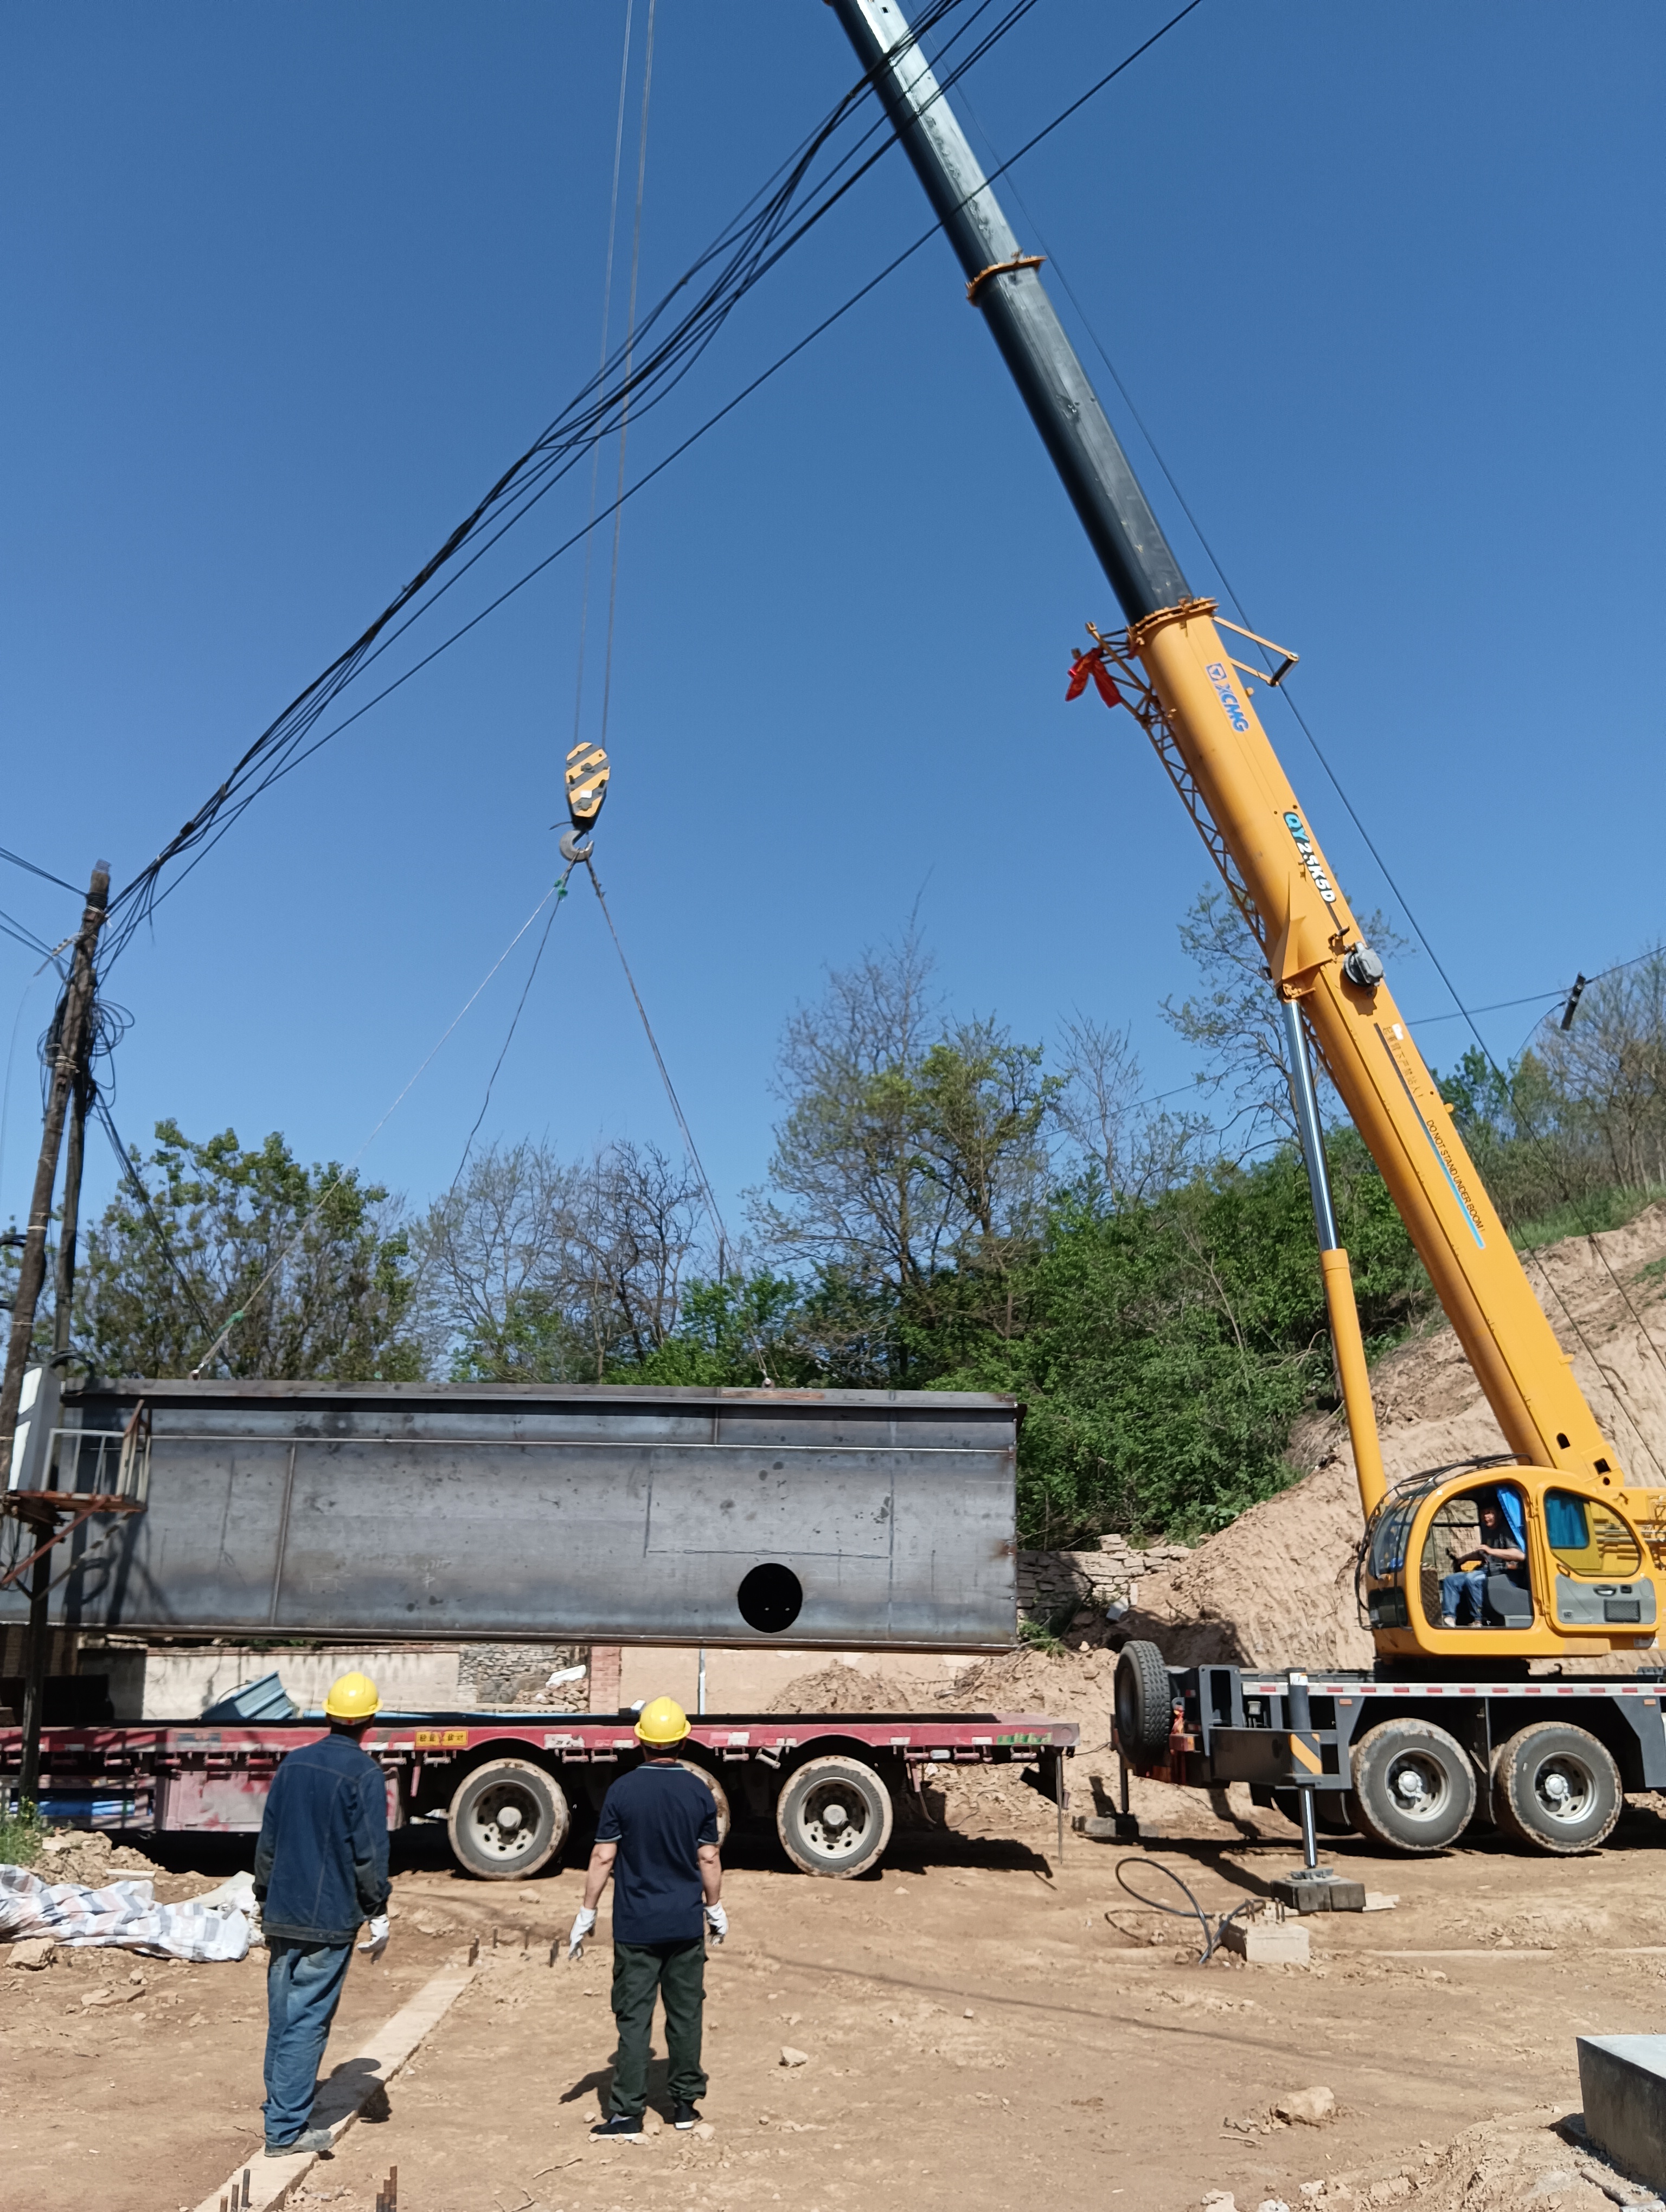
1549 1552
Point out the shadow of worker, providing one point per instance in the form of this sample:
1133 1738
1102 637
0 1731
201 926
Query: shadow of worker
354 2086
600 2080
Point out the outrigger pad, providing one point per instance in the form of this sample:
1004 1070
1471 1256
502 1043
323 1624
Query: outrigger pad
1315 1889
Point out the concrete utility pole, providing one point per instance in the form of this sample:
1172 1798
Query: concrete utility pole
70 1087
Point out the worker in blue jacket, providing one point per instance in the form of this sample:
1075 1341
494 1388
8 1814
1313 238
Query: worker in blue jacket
320 1871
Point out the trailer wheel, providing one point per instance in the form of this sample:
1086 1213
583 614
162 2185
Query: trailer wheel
1145 1702
719 1795
1555 1789
508 1818
834 1817
1413 1787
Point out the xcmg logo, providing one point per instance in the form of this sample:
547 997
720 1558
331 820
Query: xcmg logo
1229 698
1323 883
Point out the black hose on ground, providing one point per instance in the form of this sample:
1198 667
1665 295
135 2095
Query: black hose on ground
1213 1930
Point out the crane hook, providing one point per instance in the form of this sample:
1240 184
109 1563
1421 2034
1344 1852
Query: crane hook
575 847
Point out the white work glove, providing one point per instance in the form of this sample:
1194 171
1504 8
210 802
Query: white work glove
375 1941
583 1921
717 1921
251 1913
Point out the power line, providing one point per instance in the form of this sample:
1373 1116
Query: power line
752 250
23 935
46 874
741 255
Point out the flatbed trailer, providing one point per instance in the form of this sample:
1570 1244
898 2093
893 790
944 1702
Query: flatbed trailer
511 1788
1408 1761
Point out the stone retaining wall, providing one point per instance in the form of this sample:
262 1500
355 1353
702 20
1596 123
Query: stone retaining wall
1048 1582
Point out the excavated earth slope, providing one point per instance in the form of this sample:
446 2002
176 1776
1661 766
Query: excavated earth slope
1276 1588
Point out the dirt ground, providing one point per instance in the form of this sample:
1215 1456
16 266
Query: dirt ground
982 2026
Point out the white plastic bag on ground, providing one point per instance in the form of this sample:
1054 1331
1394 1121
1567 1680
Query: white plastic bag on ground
125 1915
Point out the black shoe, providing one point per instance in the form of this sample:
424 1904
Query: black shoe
682 2114
622 2128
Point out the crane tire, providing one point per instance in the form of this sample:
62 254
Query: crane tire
1145 1702
834 1817
1556 1789
508 1818
1413 1787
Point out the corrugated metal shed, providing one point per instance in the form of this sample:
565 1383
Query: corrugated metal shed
583 1511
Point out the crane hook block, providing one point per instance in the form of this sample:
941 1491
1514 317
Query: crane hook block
587 772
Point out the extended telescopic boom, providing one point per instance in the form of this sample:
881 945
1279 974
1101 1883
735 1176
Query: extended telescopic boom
1194 702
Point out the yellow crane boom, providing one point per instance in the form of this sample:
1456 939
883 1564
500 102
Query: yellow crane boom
1551 1555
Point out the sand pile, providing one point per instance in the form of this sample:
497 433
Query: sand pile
1068 1686
996 1801
1276 1588
841 1689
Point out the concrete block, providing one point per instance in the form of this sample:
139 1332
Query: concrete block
1267 1942
1622 2080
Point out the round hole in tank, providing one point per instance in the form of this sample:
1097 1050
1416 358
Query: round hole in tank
770 1598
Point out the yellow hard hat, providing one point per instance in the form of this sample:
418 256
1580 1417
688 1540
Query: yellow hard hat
352 1698
662 1720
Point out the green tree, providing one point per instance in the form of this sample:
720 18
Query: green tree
910 1175
305 1269
1170 1346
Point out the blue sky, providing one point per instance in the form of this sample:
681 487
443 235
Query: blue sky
288 287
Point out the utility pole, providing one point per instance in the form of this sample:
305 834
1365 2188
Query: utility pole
70 1086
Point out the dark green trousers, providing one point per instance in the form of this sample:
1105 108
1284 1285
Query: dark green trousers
675 1973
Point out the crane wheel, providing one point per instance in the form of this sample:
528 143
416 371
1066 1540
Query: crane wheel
508 1818
1145 1702
1555 1789
1413 1787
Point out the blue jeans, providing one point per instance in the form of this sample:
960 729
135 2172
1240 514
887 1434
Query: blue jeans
1471 1584
303 1988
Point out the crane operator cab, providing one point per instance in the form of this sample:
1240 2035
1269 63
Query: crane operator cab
1482 1560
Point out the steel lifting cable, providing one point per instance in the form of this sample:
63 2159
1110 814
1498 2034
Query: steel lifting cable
630 343
342 1174
601 369
514 1021
754 1340
664 1077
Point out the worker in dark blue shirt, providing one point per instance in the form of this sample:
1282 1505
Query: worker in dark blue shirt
320 1870
657 1836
